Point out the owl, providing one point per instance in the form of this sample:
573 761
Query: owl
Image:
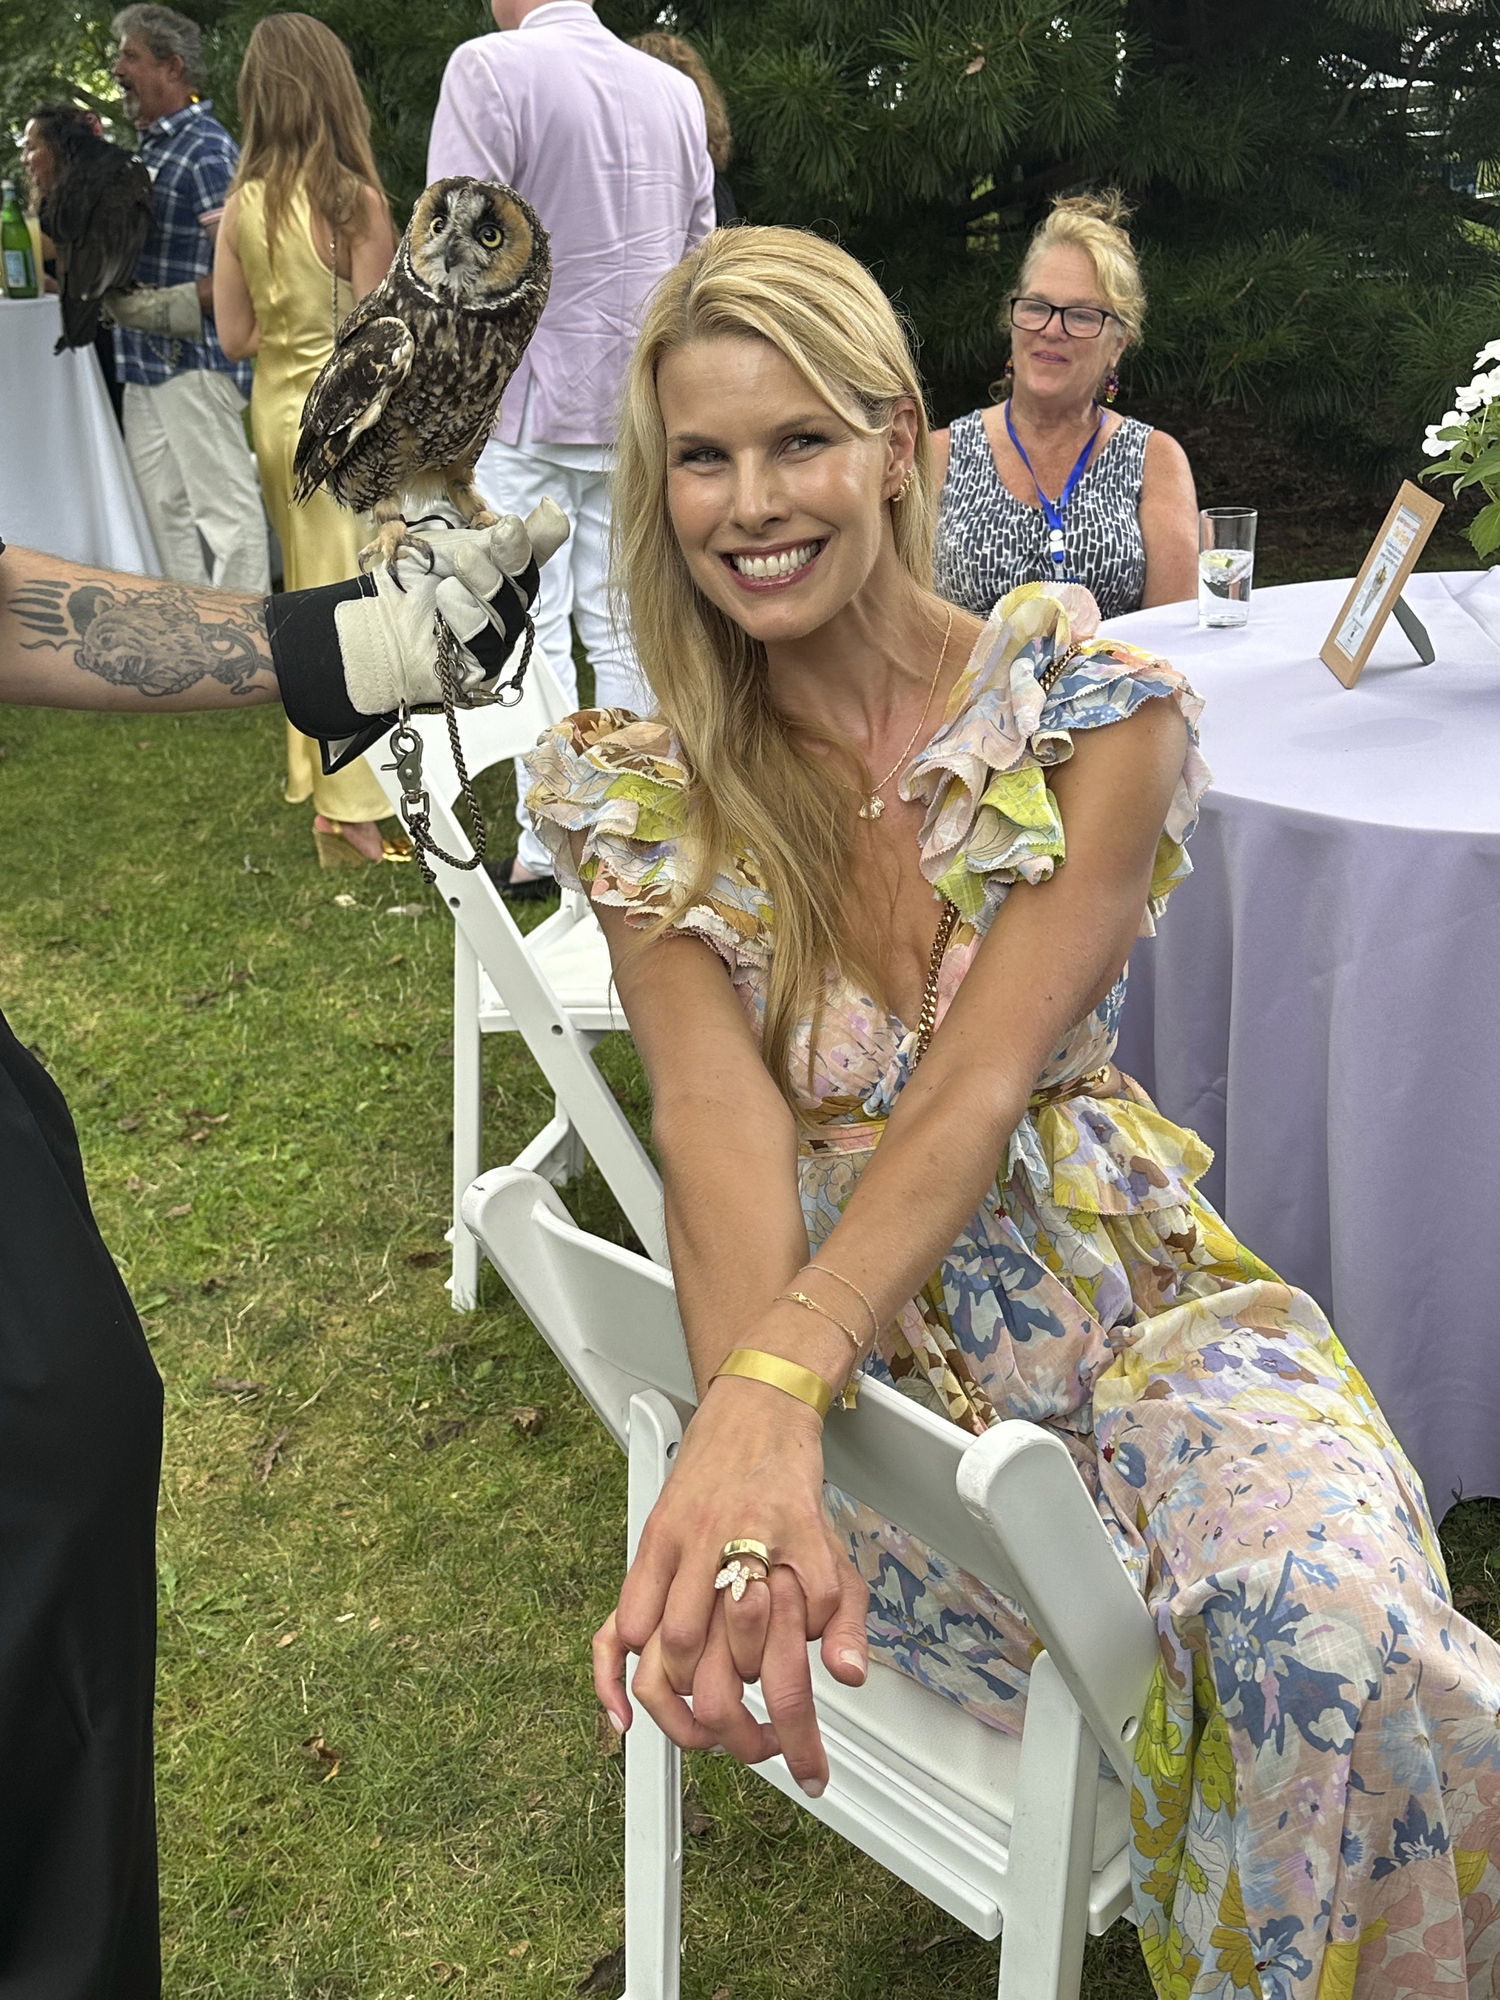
98 214
410 393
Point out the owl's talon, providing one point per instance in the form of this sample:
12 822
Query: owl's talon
393 540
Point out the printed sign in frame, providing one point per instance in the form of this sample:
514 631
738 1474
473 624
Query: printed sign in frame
1382 577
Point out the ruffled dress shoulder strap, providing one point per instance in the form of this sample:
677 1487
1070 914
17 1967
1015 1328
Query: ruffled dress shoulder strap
1039 673
620 781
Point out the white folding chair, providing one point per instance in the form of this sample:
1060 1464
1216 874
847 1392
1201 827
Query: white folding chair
551 986
1027 1836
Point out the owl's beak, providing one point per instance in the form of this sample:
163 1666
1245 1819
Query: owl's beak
452 249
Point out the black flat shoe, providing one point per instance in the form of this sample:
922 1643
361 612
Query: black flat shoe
537 890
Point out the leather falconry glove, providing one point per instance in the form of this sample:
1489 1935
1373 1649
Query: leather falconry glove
350 656
168 309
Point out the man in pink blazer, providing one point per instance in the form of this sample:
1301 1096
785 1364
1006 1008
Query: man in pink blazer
609 147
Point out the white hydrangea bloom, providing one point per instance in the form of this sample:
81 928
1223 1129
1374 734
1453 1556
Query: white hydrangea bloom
1489 352
1469 399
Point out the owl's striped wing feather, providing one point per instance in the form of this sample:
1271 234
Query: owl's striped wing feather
370 362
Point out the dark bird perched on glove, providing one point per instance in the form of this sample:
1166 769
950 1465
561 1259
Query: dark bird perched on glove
98 213
409 395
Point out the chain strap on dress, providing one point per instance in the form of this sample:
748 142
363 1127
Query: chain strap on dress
1052 673
927 1019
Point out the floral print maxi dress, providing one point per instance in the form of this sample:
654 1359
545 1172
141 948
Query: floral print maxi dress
1316 1810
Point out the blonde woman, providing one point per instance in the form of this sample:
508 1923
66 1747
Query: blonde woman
870 877
306 232
1051 483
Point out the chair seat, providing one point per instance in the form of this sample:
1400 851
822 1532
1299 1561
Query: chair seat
946 1797
571 953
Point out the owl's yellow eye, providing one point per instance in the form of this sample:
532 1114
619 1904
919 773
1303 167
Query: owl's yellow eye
489 236
438 222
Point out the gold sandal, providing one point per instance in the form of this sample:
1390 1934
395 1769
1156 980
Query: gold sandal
334 851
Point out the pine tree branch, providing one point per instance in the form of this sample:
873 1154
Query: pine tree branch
1022 193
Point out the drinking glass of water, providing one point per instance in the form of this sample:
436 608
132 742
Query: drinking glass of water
1226 564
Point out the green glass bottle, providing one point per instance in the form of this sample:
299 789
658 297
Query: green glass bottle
15 246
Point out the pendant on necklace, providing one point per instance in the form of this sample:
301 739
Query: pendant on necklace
873 807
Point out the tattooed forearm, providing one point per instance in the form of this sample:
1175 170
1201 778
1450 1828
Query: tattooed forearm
161 639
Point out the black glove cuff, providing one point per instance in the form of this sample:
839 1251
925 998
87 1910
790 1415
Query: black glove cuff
310 668
303 635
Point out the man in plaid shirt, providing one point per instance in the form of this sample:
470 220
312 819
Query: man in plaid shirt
184 399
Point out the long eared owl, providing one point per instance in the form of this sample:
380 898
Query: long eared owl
98 214
410 393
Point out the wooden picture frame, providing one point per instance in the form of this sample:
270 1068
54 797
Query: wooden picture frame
1382 578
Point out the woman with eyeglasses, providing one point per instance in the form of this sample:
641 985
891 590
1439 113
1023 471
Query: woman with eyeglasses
1051 483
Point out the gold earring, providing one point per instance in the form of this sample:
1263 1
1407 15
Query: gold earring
900 492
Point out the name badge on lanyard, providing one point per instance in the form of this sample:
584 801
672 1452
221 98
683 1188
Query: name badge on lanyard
1053 511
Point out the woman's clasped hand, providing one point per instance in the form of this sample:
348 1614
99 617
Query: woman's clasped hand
750 1468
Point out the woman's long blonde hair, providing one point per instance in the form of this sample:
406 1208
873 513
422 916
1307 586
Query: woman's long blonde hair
304 118
758 789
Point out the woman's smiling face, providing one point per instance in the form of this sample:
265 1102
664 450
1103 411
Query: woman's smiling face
1055 365
779 505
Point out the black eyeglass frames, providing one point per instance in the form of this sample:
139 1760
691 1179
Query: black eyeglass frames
1036 315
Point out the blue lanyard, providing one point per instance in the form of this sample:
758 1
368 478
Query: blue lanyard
1056 541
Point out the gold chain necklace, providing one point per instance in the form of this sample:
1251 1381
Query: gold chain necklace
874 804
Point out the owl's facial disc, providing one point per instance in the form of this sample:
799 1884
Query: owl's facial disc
469 244
778 503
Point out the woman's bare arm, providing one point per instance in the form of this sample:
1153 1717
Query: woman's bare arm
751 1462
72 637
1169 523
724 1135
233 309
371 252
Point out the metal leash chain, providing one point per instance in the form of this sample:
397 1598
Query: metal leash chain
406 748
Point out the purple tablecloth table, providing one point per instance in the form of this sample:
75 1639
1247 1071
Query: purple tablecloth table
1323 1001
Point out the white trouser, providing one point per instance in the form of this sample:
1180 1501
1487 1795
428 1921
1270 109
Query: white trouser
186 440
574 584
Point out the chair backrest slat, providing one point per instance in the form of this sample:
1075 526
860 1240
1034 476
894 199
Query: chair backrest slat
479 911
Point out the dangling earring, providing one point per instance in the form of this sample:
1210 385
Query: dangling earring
1008 377
1111 386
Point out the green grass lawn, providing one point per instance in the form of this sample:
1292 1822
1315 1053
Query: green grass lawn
381 1772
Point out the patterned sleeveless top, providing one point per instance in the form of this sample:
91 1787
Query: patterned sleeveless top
988 541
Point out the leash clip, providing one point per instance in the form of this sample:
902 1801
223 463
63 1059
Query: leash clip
406 748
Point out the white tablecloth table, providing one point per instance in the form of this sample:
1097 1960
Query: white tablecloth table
1322 1003
66 486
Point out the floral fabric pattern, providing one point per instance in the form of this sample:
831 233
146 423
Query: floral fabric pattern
1316 1811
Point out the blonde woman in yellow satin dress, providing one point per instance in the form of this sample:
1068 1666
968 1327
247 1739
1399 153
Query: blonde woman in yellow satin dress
306 232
